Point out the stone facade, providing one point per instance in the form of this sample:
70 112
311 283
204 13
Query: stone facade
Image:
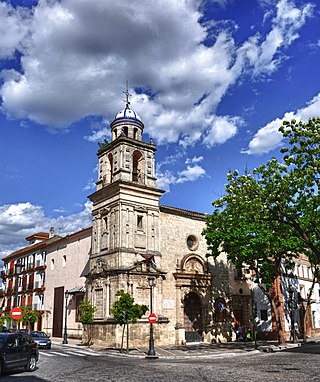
134 236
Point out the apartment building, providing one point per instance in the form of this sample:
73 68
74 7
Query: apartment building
23 275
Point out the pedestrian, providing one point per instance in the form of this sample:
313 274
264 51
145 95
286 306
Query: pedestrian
239 332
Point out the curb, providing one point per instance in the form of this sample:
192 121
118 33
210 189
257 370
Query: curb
117 354
271 348
275 348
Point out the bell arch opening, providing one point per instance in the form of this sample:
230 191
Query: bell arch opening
109 172
137 168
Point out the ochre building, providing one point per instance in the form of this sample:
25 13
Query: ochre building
135 237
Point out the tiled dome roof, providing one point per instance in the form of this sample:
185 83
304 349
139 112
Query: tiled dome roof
127 113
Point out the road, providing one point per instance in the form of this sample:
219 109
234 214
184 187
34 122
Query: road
75 365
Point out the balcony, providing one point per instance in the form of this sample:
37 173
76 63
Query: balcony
36 306
9 291
40 265
3 275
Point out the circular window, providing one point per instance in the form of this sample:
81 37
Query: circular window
192 242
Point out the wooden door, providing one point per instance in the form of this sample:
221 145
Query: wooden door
58 304
193 318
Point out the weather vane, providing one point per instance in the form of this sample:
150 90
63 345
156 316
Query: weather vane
127 96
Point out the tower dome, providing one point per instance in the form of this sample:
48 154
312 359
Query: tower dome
127 122
127 113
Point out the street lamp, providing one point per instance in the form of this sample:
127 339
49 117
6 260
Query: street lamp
18 269
65 334
292 306
151 352
254 316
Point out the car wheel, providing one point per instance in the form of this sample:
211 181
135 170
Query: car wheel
49 347
32 363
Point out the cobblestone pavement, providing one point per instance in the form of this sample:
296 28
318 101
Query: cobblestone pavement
290 365
71 364
191 350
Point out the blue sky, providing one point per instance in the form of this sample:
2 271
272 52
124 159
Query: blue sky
212 81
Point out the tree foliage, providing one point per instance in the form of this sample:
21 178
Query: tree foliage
86 312
3 320
103 144
86 317
29 316
268 217
125 311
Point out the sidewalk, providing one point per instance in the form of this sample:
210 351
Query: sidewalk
194 350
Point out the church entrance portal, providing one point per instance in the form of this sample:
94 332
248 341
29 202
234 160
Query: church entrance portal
192 318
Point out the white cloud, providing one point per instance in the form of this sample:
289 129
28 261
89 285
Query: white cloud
165 179
288 21
190 174
98 135
79 54
268 137
91 185
14 24
194 160
169 160
221 129
264 55
18 221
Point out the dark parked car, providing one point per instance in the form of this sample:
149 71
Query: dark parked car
41 339
18 350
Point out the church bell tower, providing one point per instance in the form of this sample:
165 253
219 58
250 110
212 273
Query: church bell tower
125 210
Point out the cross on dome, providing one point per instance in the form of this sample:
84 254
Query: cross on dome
127 112
127 96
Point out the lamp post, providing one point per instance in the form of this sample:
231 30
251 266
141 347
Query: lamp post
151 352
65 334
292 306
254 316
18 269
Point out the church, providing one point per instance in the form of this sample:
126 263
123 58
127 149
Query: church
156 253
135 239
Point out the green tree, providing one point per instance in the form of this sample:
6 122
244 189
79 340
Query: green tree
241 227
299 206
296 203
103 144
268 217
3 320
125 311
86 317
28 316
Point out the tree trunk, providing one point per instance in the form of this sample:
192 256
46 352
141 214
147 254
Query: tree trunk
89 335
127 324
309 296
269 294
281 339
305 314
123 329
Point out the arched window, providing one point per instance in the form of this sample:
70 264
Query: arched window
109 168
135 133
220 310
137 174
124 131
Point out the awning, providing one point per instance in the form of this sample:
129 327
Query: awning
76 290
